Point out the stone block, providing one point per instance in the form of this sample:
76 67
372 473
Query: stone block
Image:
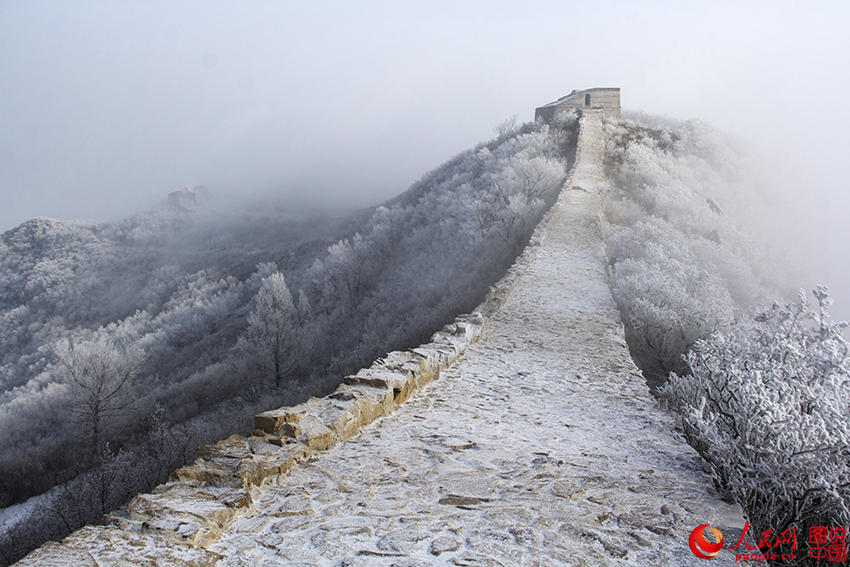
315 434
185 514
374 401
272 420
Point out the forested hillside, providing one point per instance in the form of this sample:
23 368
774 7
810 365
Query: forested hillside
126 345
683 237
760 378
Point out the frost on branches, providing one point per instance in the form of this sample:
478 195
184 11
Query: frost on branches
767 405
682 263
764 401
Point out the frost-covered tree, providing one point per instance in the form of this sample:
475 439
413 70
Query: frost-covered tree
99 375
306 331
272 324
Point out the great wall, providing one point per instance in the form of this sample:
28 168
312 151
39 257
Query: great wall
522 434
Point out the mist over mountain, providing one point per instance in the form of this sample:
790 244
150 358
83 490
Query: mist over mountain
165 322
128 344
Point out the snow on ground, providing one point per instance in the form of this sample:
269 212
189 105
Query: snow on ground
541 446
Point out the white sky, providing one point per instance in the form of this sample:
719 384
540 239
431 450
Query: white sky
107 106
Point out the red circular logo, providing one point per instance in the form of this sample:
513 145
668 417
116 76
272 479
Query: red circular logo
703 548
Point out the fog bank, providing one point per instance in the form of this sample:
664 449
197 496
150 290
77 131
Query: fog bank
106 107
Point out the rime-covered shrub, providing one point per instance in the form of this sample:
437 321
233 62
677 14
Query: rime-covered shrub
767 405
764 401
681 263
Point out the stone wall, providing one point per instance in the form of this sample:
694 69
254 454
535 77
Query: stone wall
174 523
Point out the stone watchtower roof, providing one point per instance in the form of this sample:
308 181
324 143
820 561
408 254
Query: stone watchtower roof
604 99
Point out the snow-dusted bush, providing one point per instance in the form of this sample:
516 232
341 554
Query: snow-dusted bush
680 257
767 405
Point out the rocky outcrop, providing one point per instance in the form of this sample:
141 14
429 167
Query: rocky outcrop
189 198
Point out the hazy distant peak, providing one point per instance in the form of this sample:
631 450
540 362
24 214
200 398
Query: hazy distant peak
190 198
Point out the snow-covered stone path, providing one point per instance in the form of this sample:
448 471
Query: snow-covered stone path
541 446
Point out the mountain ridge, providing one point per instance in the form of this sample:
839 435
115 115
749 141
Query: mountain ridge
572 225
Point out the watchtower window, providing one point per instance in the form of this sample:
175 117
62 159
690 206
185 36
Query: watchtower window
587 99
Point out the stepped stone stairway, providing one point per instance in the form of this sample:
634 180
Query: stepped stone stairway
539 444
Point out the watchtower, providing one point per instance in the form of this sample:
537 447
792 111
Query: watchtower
606 99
